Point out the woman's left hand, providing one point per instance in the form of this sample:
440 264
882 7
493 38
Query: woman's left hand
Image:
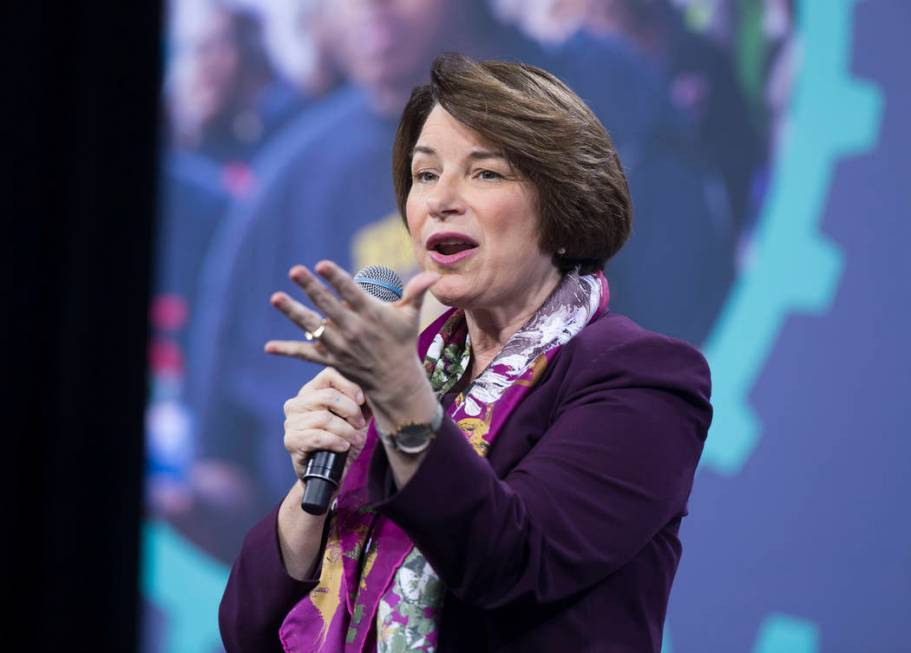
373 344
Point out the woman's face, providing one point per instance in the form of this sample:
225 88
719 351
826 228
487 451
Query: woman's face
473 219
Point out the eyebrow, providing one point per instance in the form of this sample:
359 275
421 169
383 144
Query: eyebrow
475 155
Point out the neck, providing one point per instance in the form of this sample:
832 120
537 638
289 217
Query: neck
491 328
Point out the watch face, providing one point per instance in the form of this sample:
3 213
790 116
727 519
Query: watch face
413 436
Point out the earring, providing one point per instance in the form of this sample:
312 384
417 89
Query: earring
561 251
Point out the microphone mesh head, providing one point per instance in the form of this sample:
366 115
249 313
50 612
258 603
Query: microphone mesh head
381 282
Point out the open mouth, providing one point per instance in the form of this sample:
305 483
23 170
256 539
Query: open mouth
449 248
450 243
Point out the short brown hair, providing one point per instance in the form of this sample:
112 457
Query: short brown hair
548 134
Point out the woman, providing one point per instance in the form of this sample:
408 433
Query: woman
521 481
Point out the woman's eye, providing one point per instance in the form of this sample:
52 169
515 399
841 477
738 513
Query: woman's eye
424 176
489 175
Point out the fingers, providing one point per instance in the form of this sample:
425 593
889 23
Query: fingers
332 378
327 399
297 349
326 415
330 391
295 311
343 283
321 297
417 288
319 430
304 442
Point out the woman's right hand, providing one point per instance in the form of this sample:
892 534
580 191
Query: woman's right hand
328 414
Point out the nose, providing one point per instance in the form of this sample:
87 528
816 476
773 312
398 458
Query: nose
445 199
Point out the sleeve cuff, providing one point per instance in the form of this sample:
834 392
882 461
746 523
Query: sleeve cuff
260 592
264 537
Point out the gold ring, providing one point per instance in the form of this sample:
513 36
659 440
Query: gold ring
316 333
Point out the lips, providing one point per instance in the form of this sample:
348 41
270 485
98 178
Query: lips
450 242
448 248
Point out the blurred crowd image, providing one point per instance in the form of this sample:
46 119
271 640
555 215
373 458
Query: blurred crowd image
279 118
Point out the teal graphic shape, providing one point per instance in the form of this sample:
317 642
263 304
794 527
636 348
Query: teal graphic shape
793 267
186 584
780 633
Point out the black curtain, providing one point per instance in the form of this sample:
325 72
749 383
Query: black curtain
80 112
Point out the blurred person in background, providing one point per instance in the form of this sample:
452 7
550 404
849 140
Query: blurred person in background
224 102
299 43
549 22
699 71
703 85
193 198
326 192
226 99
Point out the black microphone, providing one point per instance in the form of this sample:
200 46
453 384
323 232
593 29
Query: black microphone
324 468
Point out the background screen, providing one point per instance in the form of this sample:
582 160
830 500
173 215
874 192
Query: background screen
766 148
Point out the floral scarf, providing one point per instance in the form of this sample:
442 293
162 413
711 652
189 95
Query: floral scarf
368 558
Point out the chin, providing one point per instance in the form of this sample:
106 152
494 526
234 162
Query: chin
449 294
452 301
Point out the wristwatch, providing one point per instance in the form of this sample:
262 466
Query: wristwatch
413 438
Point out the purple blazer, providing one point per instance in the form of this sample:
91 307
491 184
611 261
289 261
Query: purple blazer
565 537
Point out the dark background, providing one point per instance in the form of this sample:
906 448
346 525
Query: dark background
79 120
